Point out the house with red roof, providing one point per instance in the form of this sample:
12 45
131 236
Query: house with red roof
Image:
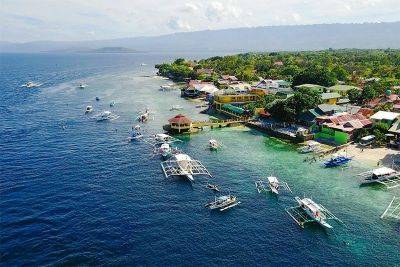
339 128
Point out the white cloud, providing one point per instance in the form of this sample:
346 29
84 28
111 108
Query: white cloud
77 19
189 7
178 24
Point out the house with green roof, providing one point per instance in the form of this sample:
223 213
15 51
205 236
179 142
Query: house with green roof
316 87
342 89
330 98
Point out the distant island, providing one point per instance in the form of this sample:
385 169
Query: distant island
102 50
111 49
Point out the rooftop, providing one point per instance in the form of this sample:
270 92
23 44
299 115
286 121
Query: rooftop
395 127
340 87
385 115
326 96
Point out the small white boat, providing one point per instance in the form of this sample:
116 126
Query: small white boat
106 116
143 64
310 147
82 86
176 107
31 85
165 150
166 87
223 203
163 138
214 145
112 103
213 187
88 109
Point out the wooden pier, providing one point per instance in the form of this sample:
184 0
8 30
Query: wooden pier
218 123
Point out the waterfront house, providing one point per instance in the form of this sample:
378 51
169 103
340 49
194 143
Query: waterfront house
330 98
179 124
341 89
230 97
385 117
315 87
197 88
339 128
308 117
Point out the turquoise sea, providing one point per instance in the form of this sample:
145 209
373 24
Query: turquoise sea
76 192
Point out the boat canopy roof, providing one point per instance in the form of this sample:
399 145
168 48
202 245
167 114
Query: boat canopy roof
383 171
368 138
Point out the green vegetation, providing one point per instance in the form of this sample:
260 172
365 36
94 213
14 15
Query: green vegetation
325 68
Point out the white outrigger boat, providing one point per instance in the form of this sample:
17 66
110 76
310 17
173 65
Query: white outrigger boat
183 165
106 116
161 138
274 185
167 87
144 116
31 85
311 146
308 211
88 109
383 175
223 203
214 145
165 150
176 107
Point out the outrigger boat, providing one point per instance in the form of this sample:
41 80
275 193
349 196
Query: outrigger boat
106 116
384 175
310 147
144 116
136 133
165 150
176 107
214 145
88 109
223 203
183 165
213 187
31 85
308 211
166 87
274 185
337 161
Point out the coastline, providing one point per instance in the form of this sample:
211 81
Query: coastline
373 157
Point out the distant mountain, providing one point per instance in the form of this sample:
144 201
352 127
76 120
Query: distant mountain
269 38
115 49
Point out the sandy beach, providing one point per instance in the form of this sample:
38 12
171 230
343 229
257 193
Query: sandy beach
371 156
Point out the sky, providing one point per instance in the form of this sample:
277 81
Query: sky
74 20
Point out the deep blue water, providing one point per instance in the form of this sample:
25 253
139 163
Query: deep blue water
81 194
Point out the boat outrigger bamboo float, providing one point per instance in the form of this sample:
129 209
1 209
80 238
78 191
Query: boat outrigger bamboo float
183 165
274 185
310 212
392 210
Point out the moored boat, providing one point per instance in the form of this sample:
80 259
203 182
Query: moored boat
223 203
106 116
89 109
337 161
214 145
